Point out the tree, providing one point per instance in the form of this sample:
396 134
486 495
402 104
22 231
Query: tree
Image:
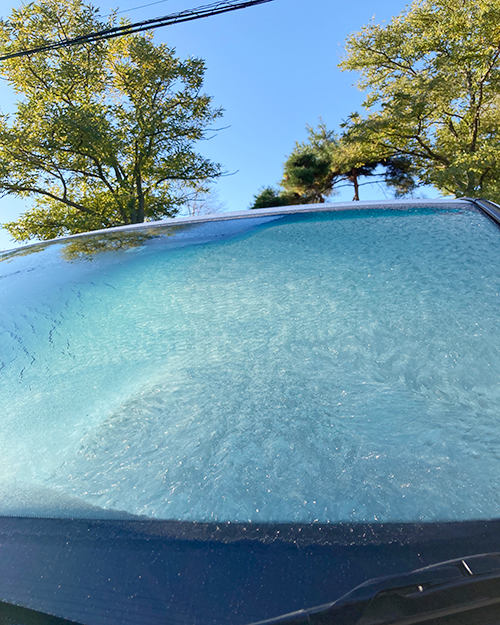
433 82
308 171
269 197
307 176
358 155
104 133
316 168
203 201
350 159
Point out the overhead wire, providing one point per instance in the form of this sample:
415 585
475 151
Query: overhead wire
142 6
188 15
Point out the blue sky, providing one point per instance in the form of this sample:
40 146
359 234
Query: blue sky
273 68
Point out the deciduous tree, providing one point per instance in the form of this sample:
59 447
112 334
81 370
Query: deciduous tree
104 133
432 77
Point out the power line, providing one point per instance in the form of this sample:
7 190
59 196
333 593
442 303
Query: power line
189 15
143 6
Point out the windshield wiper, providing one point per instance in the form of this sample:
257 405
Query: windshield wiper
468 588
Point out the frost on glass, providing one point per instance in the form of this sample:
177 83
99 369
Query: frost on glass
322 367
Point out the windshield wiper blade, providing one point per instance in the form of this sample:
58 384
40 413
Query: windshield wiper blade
440 591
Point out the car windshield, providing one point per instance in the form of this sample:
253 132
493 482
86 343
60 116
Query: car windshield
298 366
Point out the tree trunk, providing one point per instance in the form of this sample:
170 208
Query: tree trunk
355 182
140 201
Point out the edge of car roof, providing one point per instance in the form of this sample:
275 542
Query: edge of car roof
268 212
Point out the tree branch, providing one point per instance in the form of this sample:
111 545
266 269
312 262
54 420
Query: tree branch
17 188
392 62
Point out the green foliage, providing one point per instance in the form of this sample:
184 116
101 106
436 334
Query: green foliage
432 77
104 133
315 168
400 175
269 197
358 155
307 171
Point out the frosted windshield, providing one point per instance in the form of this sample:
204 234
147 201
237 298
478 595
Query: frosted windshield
338 366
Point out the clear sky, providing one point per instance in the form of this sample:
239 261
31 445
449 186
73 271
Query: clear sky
273 68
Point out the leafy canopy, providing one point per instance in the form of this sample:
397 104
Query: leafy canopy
104 133
268 197
317 167
432 76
